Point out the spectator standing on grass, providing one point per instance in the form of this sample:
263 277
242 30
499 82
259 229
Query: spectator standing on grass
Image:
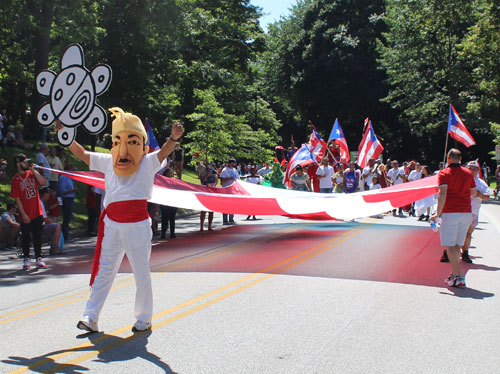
456 186
67 192
178 160
10 227
24 189
41 160
486 173
55 163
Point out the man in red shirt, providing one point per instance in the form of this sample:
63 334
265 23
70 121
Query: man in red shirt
456 185
24 189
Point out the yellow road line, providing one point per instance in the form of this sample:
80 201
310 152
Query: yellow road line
130 279
261 275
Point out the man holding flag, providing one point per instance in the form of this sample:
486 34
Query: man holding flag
337 135
370 147
310 153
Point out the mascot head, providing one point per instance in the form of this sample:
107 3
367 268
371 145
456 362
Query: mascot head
129 142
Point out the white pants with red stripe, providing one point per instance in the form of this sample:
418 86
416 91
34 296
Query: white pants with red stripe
134 239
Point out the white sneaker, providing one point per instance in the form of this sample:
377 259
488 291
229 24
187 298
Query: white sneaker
26 264
141 326
87 324
40 264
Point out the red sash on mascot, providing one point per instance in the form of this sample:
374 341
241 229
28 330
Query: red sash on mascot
119 211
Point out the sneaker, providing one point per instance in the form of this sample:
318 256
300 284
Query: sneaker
450 281
141 326
40 264
460 282
466 258
87 324
455 281
26 264
444 257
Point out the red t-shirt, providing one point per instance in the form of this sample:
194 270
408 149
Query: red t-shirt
25 187
54 212
459 181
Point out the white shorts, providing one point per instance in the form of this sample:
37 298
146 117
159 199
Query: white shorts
454 228
475 220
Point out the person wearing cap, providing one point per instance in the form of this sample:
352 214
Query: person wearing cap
456 186
125 226
482 194
24 189
227 177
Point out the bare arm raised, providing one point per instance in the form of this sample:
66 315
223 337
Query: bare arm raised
76 148
169 145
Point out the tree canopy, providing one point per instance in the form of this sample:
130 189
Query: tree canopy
210 65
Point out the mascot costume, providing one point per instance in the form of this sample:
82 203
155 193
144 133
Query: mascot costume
125 225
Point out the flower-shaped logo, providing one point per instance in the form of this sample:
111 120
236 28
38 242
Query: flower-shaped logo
72 95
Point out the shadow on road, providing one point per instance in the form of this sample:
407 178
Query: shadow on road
109 349
382 252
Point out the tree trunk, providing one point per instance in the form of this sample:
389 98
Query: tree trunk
42 49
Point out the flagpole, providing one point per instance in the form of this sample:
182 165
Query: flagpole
446 147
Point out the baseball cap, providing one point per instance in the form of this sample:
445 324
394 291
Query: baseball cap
231 160
474 164
20 158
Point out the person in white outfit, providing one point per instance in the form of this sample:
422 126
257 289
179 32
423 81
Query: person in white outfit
125 226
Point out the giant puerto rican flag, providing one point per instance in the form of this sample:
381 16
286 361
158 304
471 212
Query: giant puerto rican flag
457 129
370 147
251 199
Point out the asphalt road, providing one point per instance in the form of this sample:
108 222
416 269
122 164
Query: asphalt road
273 295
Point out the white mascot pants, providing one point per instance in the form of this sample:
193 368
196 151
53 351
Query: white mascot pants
133 239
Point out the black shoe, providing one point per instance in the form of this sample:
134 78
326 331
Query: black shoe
444 257
466 258
173 236
421 218
426 218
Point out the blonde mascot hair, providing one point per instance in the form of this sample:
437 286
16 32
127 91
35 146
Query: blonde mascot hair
126 122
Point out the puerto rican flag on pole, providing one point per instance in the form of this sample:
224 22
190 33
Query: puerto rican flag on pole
302 157
153 144
337 135
316 145
370 147
457 129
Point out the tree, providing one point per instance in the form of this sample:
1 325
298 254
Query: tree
479 51
217 135
420 55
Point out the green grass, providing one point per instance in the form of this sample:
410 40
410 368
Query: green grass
80 212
